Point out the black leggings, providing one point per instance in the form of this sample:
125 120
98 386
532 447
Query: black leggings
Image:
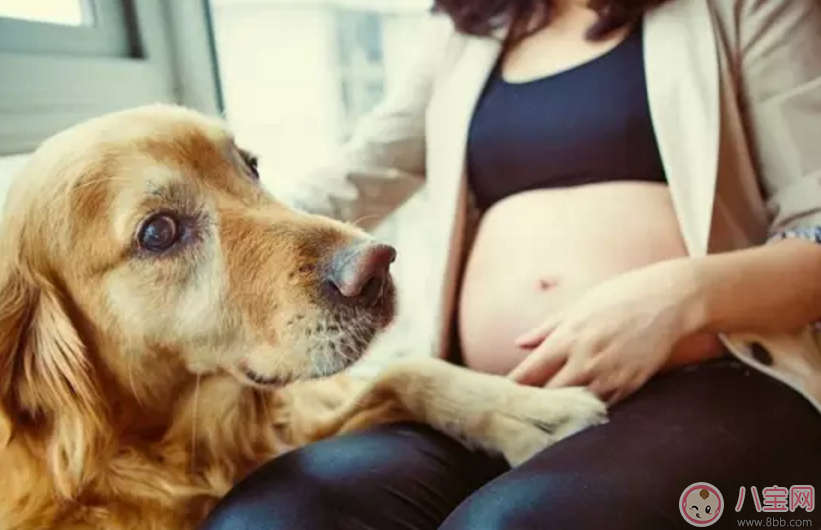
719 422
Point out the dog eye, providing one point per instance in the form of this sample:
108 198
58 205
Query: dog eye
159 233
251 161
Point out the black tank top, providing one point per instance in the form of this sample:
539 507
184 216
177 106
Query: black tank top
590 123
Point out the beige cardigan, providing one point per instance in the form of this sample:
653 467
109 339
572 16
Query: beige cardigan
735 96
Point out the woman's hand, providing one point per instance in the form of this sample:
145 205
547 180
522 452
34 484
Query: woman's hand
617 335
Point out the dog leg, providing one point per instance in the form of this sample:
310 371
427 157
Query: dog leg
481 410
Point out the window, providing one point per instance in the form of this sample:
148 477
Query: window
63 61
298 75
361 63
67 12
66 27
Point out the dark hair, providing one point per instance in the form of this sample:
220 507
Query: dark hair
525 17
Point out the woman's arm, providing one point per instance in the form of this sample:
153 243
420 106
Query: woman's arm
775 287
623 331
383 163
771 288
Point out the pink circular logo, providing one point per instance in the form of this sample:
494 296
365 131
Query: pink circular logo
701 504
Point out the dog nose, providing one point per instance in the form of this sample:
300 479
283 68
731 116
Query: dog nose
358 274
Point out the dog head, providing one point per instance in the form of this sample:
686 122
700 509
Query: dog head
138 251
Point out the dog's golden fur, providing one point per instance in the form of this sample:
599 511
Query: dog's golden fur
125 395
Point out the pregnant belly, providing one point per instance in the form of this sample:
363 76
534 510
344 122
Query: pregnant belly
537 252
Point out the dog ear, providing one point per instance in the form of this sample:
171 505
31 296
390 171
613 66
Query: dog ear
47 381
15 306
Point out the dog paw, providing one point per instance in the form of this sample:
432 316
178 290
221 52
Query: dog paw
538 417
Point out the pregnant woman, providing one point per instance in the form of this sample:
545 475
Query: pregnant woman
628 198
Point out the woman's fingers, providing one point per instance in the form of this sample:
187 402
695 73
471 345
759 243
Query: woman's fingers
540 365
537 335
605 389
616 387
571 374
629 387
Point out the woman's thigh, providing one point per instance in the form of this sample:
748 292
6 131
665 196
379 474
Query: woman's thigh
720 423
397 477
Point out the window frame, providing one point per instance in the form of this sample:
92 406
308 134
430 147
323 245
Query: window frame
106 32
172 60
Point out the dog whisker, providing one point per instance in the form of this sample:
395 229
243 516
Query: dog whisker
96 182
92 182
314 365
362 219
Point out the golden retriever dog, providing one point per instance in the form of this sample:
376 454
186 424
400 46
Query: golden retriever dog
166 325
